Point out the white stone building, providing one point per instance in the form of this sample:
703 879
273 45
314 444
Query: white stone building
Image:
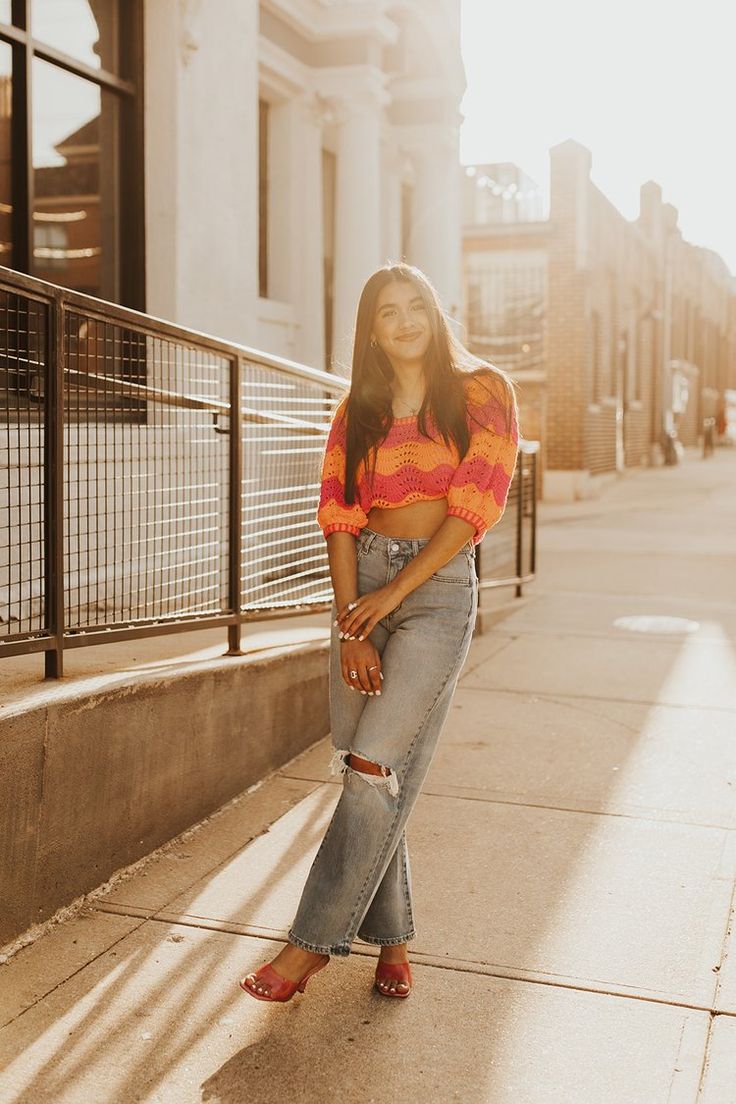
235 167
291 147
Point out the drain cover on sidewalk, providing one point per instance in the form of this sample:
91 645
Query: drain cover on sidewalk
652 624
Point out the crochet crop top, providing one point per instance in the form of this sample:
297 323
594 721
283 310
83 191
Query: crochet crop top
410 467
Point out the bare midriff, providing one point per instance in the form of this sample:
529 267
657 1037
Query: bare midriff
412 522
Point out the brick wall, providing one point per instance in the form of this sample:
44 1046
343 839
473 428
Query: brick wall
623 297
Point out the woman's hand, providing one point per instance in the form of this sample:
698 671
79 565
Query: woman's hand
366 612
356 655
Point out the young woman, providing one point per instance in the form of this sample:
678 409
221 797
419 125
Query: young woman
416 469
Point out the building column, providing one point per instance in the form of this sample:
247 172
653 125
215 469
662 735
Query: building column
435 239
295 238
391 237
357 213
201 156
310 287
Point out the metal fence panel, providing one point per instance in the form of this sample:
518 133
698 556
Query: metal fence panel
145 477
153 479
23 342
284 556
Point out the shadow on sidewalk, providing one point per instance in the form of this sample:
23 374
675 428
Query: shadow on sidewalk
568 844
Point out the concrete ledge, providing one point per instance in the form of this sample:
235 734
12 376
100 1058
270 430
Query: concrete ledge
93 780
574 486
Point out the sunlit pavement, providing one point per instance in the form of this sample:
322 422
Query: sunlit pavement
573 861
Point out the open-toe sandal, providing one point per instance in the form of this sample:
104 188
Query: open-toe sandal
393 971
281 988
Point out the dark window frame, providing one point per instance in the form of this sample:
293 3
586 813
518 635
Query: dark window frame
128 87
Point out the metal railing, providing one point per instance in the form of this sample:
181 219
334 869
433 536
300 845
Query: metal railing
154 479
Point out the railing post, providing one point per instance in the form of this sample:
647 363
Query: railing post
533 557
53 481
520 528
235 507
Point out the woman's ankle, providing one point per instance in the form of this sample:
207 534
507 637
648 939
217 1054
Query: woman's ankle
303 952
394 952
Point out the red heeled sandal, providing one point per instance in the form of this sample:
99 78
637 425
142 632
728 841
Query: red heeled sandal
281 988
393 971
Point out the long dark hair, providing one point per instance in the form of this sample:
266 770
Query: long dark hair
446 364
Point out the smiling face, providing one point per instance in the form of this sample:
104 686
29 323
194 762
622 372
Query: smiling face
401 325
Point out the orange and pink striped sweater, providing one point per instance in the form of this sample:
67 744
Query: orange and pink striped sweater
409 467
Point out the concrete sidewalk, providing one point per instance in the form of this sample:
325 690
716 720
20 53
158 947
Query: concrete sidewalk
573 859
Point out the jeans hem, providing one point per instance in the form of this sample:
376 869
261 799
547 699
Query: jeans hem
378 942
316 948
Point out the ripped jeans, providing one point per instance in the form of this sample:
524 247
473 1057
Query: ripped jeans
360 883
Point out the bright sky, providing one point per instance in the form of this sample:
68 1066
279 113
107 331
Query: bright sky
649 86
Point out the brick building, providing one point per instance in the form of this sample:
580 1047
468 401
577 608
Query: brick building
617 331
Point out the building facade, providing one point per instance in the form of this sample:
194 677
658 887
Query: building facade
620 333
71 170
239 168
347 123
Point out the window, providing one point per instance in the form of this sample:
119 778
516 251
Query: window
71 180
85 30
407 204
51 243
505 303
6 167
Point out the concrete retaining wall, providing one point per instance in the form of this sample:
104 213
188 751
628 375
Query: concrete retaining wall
92 780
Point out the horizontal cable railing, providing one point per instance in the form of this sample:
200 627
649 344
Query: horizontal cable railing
154 479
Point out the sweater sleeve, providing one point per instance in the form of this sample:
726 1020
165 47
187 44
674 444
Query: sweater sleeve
479 487
334 514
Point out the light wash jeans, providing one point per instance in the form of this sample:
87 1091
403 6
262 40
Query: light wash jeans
360 882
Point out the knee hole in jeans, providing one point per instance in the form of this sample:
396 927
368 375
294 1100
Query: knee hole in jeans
341 764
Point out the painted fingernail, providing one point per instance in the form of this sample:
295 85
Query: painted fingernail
340 635
378 692
380 673
360 638
334 622
364 691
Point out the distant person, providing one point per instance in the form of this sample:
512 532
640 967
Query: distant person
721 420
416 469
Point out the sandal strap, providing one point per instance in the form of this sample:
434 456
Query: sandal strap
397 971
279 985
